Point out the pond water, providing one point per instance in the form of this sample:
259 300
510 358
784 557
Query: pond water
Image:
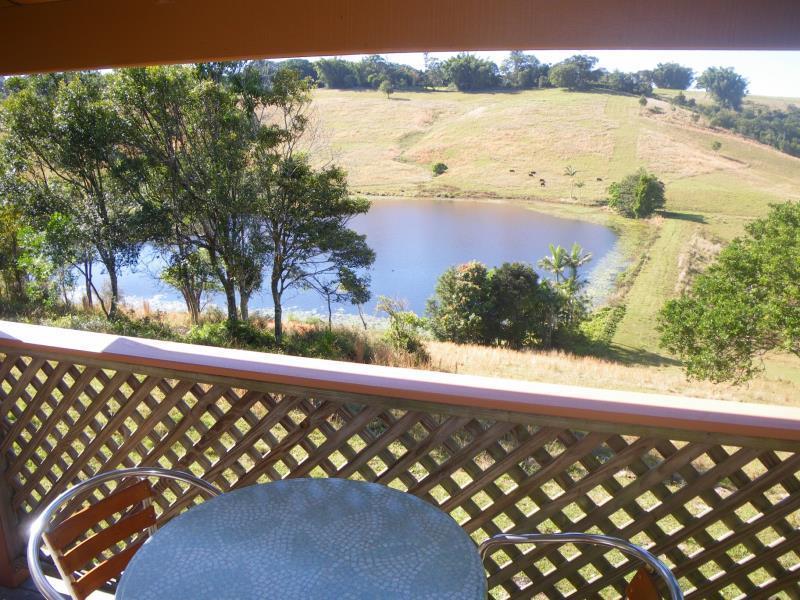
415 241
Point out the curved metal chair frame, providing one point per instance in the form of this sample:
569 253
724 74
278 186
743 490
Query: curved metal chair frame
42 524
624 546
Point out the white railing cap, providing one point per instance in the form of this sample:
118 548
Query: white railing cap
553 400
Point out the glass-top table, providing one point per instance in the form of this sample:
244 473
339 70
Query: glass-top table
308 539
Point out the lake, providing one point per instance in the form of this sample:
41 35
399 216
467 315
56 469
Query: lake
415 241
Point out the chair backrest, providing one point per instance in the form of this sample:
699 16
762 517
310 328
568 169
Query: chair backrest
642 586
93 545
103 551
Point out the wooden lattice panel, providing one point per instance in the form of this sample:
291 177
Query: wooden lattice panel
725 518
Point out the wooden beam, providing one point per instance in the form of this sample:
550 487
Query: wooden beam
81 34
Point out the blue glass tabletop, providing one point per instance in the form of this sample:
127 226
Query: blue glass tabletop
309 539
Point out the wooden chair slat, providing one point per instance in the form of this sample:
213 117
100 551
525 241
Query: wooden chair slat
81 554
109 569
642 587
80 522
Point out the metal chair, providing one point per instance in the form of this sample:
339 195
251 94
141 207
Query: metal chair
133 502
641 587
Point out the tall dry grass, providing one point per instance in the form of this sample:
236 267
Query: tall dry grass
560 367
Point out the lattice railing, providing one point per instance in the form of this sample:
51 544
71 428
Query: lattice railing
721 508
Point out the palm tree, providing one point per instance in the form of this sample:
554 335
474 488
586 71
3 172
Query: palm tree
574 260
556 262
571 172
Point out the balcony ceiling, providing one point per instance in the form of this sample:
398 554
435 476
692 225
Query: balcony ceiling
53 35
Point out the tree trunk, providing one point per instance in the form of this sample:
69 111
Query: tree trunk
192 301
112 277
276 301
330 313
361 315
87 276
244 302
230 300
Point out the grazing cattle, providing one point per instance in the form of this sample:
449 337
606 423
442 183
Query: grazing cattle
511 171
599 179
542 182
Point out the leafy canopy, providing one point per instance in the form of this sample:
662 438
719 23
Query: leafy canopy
746 304
637 196
672 76
725 85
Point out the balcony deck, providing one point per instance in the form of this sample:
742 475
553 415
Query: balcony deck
711 487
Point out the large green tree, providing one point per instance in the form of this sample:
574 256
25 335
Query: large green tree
302 213
469 73
575 73
521 70
66 138
672 76
638 195
194 129
725 85
743 306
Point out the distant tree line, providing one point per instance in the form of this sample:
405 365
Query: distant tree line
467 72
520 71
777 128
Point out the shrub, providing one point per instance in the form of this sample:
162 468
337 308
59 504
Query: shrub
505 306
318 341
462 300
518 315
716 145
602 324
404 334
638 195
237 334
439 168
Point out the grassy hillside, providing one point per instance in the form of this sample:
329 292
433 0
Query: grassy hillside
492 142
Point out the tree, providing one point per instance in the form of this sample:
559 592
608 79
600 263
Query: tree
628 83
556 262
303 67
522 71
434 75
404 333
336 73
574 73
341 286
470 73
672 76
716 145
194 130
520 307
386 88
303 213
642 101
460 305
638 195
68 139
438 168
746 304
305 216
725 85
192 275
507 306
575 259
565 75
571 172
